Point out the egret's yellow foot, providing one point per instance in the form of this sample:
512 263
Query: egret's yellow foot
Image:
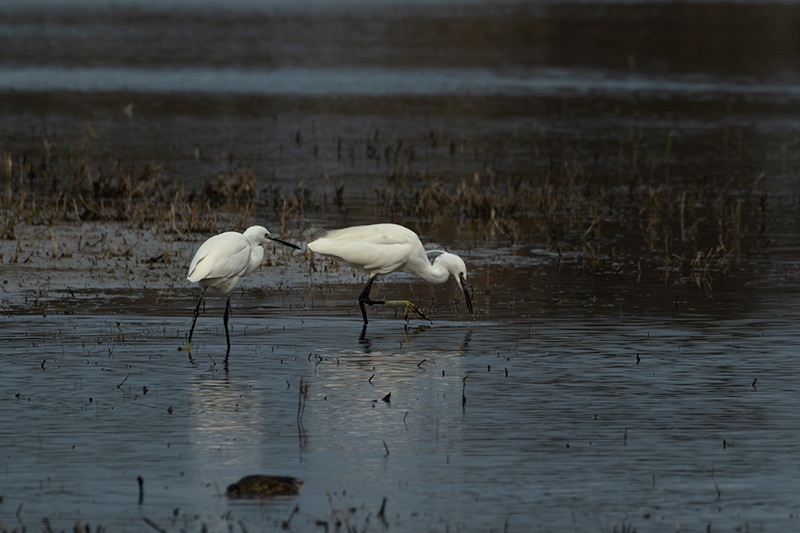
409 305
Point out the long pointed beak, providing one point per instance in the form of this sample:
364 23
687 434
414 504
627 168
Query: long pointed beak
290 245
466 293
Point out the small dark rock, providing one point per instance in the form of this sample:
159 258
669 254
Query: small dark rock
263 487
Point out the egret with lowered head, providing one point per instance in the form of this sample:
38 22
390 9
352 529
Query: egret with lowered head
222 261
383 248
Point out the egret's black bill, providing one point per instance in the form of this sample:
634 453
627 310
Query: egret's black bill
290 245
466 293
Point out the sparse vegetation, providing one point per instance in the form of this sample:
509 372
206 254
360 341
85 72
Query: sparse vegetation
603 210
638 198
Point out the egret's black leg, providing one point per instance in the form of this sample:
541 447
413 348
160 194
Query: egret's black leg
194 320
225 321
364 299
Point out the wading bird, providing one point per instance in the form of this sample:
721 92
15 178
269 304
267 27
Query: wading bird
222 261
383 248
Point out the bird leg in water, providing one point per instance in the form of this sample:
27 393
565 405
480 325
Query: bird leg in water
225 321
364 299
194 321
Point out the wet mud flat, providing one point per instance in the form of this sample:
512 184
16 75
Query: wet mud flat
630 229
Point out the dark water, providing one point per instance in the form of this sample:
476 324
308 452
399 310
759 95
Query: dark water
577 417
603 390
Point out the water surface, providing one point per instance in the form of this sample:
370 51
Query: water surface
607 384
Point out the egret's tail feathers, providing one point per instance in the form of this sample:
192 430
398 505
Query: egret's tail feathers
316 233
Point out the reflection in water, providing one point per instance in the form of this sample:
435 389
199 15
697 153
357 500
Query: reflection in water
363 338
301 407
600 389
586 409
465 342
408 336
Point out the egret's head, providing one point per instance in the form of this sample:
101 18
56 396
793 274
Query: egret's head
257 234
260 235
458 269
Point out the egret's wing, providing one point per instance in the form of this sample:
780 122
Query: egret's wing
221 256
383 258
379 248
380 258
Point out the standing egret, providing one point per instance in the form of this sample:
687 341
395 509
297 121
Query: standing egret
223 260
383 248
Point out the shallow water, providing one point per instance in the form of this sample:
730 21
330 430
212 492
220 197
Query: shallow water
602 390
577 417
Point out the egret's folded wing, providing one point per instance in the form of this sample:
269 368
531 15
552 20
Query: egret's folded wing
384 258
365 256
221 256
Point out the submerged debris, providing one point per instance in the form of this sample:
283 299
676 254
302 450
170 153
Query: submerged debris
259 486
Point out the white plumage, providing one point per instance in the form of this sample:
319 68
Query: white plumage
383 248
223 260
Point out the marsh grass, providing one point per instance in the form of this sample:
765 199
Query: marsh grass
58 185
642 198
74 185
625 202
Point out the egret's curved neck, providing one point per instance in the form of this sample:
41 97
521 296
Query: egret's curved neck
436 272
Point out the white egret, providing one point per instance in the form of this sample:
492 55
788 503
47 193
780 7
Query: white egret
223 260
383 248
